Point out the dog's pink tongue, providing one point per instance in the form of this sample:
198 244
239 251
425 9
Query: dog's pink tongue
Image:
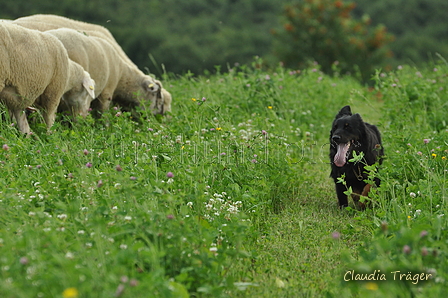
339 158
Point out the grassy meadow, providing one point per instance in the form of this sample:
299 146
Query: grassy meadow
231 195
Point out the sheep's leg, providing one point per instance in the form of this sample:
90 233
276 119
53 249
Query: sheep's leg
22 123
14 101
49 109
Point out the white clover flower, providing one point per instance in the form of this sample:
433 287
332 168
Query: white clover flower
190 204
114 208
89 244
412 195
213 249
62 216
81 232
31 213
232 209
127 217
123 246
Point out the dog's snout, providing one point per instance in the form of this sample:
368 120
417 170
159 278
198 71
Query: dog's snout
336 138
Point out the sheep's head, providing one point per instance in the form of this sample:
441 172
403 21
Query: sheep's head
84 101
78 99
152 98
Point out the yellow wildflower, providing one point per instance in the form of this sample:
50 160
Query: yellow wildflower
443 157
371 286
409 217
70 293
218 128
193 99
434 155
270 107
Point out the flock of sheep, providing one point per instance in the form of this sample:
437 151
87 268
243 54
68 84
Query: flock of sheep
59 64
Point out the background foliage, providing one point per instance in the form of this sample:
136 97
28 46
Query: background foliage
324 31
198 35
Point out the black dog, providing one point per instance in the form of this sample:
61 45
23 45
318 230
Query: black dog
350 133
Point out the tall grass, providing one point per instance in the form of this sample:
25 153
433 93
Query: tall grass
228 197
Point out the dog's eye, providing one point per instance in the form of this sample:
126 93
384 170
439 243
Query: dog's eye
346 125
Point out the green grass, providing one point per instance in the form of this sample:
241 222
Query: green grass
231 197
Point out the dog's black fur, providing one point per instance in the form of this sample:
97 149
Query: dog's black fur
350 133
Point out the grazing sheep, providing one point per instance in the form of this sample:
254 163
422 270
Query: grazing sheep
133 85
44 22
114 77
35 69
96 56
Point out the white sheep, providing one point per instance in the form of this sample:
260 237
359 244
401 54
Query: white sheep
96 56
113 76
35 69
44 22
134 88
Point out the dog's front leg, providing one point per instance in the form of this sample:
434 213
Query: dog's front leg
342 197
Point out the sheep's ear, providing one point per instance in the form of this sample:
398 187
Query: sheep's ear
89 84
150 86
159 91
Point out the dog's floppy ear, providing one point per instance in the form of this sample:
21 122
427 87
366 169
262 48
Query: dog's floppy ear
345 111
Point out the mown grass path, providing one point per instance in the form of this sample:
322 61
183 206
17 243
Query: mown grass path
300 253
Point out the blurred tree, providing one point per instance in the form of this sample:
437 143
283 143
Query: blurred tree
196 35
324 31
419 26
